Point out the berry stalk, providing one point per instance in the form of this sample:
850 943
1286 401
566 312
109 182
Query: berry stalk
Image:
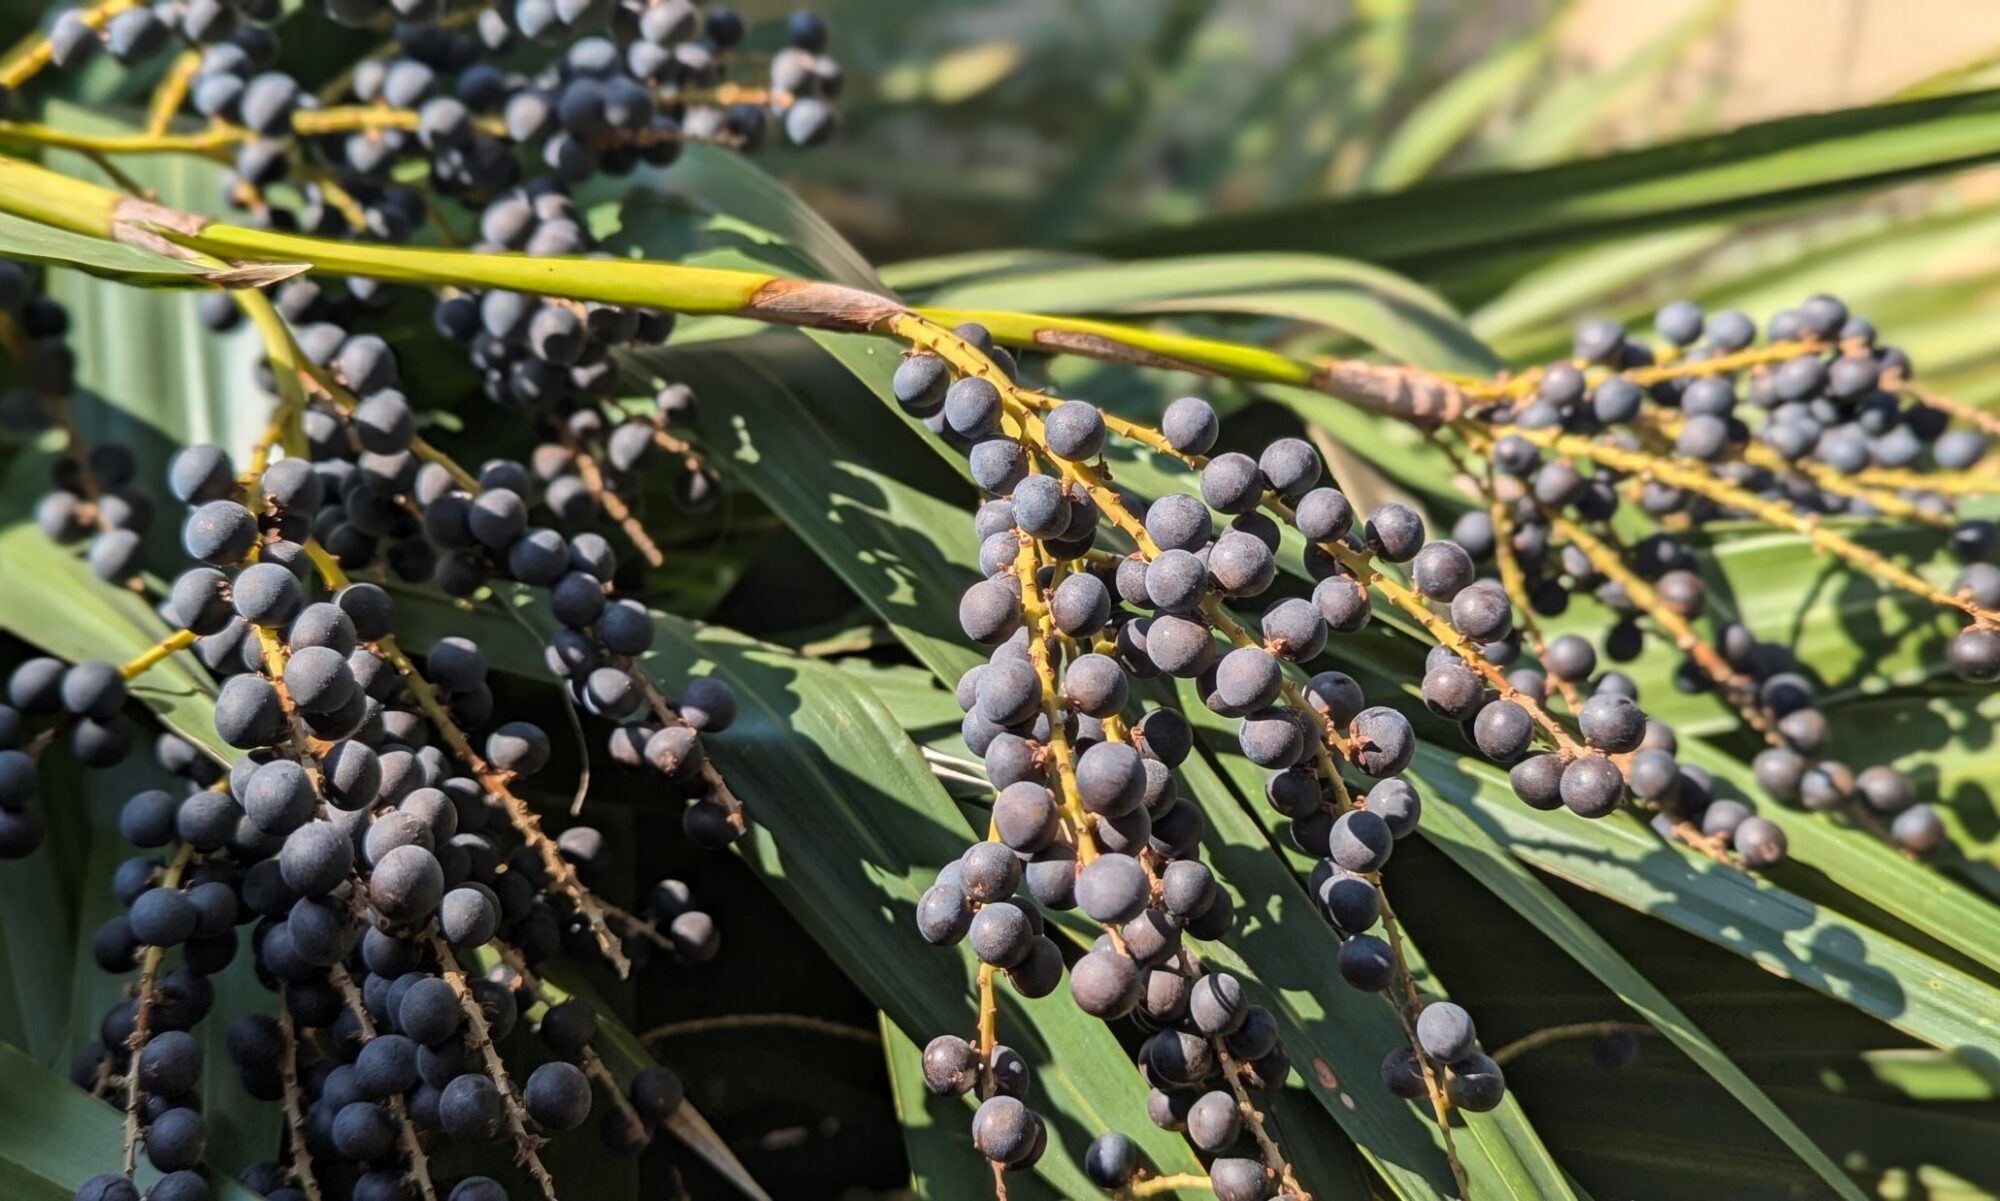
527 1146
137 666
406 1131
149 969
1690 478
295 1118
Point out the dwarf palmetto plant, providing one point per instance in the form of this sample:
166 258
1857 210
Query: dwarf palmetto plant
473 539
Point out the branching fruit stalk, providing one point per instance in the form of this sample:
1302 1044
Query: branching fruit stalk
406 1131
1275 1162
593 1063
1021 406
1884 501
632 922
685 1123
1737 688
664 710
149 970
28 57
1524 383
1514 582
613 504
321 381
171 92
1981 420
1696 479
499 784
1982 481
1330 742
289 365
988 1038
1153 1186
153 655
295 1117
290 369
1406 1014
1034 609
527 1146
1441 631
284 429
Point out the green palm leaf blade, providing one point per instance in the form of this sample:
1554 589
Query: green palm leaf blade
848 827
1621 860
1426 137
1499 1150
1374 306
49 597
1472 848
1563 116
54 1137
944 1165
30 241
1752 169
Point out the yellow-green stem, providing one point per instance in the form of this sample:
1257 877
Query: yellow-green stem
172 90
137 666
1153 1186
284 429
1035 613
1697 479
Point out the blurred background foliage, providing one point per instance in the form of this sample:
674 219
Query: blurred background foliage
1062 125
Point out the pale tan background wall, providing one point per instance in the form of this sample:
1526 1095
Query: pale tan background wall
1780 56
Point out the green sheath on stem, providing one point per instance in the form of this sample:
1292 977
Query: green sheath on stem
46 196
